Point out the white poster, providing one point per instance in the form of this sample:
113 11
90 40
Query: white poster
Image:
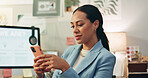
14 2
46 6
6 16
28 20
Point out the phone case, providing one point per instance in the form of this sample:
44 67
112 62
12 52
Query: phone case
36 50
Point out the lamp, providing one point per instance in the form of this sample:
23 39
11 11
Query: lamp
117 41
118 44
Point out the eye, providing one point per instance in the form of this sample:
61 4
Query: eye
72 27
80 25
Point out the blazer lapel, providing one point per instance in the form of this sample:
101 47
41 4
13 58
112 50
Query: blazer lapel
90 57
74 55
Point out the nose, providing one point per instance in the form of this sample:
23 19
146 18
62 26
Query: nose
75 29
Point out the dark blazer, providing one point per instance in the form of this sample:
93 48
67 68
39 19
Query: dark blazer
98 63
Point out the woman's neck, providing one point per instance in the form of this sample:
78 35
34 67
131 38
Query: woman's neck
89 44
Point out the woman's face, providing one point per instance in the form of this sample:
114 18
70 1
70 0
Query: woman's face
83 29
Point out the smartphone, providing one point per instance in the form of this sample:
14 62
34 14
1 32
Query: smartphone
36 50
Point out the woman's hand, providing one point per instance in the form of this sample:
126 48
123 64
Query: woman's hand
47 61
38 69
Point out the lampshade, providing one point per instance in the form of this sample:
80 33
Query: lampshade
117 41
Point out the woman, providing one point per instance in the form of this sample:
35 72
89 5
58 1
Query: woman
89 59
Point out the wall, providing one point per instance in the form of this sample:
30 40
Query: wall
134 21
138 24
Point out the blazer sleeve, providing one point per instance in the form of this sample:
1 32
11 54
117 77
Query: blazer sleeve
105 66
69 73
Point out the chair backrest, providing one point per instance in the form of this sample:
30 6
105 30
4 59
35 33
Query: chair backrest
121 66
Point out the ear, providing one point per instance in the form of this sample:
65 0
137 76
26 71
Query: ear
96 24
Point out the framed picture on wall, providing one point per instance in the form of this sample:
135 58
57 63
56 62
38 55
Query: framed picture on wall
46 7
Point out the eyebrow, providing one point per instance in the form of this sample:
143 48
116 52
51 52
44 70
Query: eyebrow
78 21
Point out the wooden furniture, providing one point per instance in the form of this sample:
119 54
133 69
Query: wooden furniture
137 66
138 69
138 75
